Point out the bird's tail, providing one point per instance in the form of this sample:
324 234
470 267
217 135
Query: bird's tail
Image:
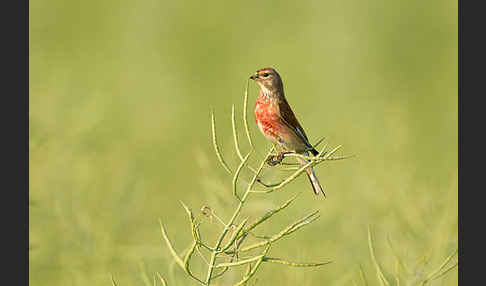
316 186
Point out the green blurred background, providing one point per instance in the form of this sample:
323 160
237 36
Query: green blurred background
120 97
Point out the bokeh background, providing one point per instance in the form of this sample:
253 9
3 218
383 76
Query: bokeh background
120 98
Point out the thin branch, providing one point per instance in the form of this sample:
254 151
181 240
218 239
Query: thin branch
437 273
178 260
381 277
294 264
162 280
241 262
319 159
291 177
255 268
396 255
212 261
216 146
269 214
245 115
445 271
237 174
235 133
235 235
286 231
362 275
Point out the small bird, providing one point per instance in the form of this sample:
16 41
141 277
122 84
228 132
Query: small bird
277 121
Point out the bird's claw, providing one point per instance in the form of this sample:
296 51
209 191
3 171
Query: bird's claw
273 160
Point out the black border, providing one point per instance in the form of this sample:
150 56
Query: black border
14 116
471 75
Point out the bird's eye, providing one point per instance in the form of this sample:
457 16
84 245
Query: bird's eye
265 74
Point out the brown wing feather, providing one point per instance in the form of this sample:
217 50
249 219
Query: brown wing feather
290 120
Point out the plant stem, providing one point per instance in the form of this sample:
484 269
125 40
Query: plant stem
217 247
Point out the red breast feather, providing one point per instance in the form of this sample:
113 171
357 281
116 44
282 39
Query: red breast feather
267 118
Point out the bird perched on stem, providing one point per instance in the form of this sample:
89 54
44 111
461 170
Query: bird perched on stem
277 121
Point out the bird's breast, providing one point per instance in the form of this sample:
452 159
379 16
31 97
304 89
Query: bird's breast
267 117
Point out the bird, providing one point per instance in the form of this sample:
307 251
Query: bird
277 122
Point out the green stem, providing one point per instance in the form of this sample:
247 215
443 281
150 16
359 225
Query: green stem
217 247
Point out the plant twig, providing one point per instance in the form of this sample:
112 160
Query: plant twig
245 115
381 277
216 146
231 247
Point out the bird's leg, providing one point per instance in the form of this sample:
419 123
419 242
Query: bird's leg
280 156
273 160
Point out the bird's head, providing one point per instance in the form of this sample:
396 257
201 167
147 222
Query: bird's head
269 80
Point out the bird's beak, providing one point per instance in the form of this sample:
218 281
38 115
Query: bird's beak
254 77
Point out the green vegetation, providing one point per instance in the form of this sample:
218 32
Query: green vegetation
233 248
120 97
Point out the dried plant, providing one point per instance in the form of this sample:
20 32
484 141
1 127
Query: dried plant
231 243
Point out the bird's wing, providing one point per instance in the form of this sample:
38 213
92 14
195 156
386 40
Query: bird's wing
288 117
